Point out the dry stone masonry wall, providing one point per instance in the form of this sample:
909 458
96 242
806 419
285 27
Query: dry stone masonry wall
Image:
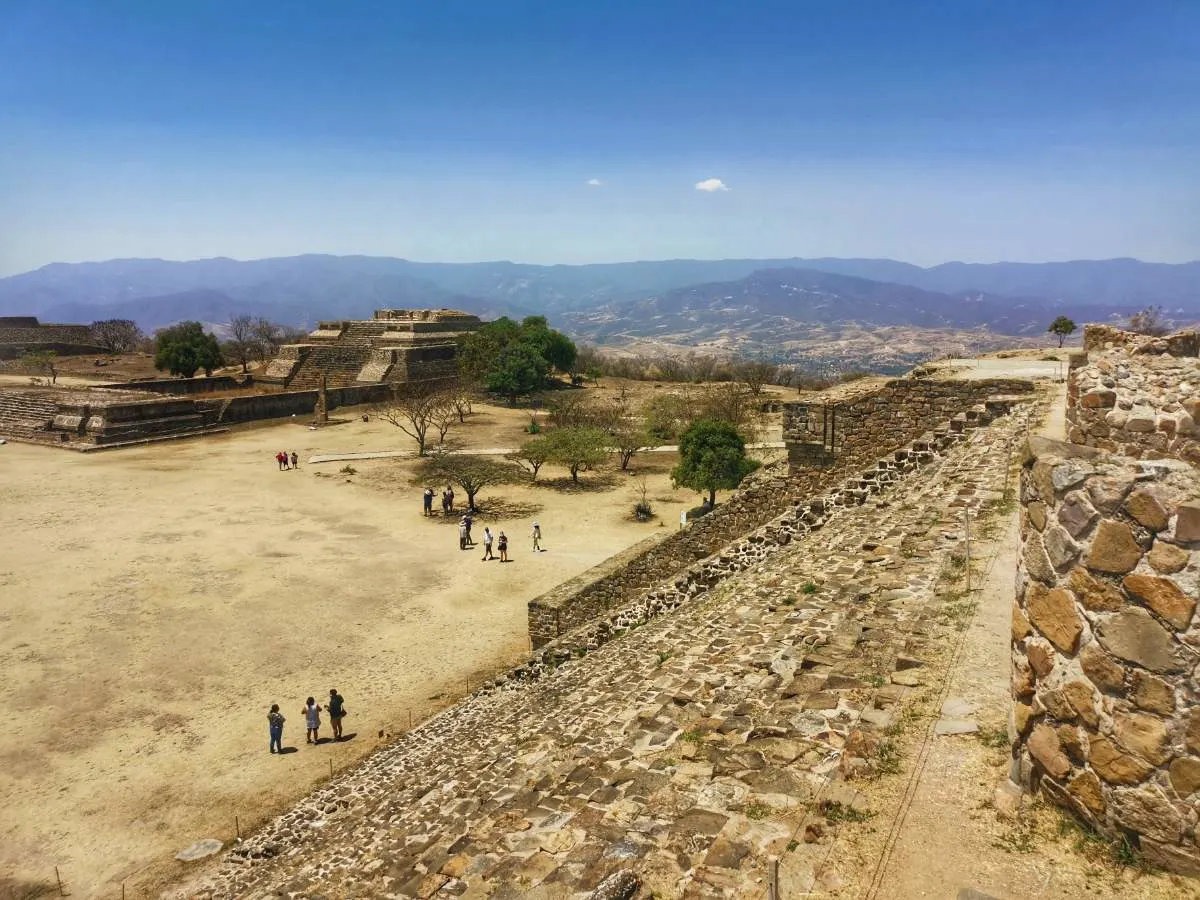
1105 637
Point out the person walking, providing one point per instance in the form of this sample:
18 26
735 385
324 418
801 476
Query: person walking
275 722
450 499
283 454
462 534
487 544
468 521
312 720
536 534
502 546
280 460
295 460
337 712
427 501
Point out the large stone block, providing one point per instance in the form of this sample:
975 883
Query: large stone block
1113 764
1113 549
1077 515
1053 613
1185 775
1020 624
1094 593
1060 547
1104 672
1187 522
1164 597
1037 563
1143 734
1146 509
1147 811
1044 746
1167 558
1087 790
1082 698
1191 736
1152 694
1134 636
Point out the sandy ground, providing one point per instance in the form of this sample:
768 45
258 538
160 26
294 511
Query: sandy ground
154 602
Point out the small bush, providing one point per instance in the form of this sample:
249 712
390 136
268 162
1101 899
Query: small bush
809 588
348 470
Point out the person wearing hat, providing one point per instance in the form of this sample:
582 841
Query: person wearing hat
462 533
537 538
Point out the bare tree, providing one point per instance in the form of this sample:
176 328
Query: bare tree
755 374
461 401
244 344
1150 321
267 337
415 412
117 335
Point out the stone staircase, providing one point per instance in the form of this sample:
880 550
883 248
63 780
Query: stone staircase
678 748
28 417
340 361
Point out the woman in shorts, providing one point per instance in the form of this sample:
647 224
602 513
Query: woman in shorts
312 720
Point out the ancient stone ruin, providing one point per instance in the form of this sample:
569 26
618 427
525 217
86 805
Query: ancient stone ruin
25 334
1106 644
397 346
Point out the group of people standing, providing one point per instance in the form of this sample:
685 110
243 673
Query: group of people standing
287 461
312 720
447 501
465 541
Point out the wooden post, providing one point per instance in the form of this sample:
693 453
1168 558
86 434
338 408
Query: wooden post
967 528
58 878
331 767
773 878
237 826
410 720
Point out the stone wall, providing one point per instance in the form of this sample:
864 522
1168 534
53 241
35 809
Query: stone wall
21 333
1106 645
767 493
1107 337
255 407
1139 405
855 430
177 386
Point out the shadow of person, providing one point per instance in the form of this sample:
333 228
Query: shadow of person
324 740
288 749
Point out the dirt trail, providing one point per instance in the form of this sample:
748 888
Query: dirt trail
155 601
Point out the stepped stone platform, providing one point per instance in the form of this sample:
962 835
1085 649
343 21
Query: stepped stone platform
730 715
397 346
23 334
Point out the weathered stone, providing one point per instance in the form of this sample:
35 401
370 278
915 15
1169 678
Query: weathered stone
1146 509
1041 656
726 854
1167 558
199 850
1107 493
1007 799
1077 515
1093 593
1185 775
1104 672
618 886
1113 549
1184 860
1022 713
1022 677
1147 811
1082 699
699 821
1037 563
1134 635
1043 745
1191 737
1114 765
1037 514
1085 788
1144 735
1187 522
1053 613
1141 420
1152 694
1053 702
1020 624
1070 738
1164 597
1060 548
1100 399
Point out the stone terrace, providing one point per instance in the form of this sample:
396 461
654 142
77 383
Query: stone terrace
679 754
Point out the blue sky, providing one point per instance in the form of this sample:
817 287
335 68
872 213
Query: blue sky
462 131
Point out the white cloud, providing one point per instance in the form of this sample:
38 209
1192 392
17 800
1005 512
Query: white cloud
711 185
594 182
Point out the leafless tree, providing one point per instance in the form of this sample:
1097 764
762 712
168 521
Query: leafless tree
461 401
267 337
755 374
243 344
1150 321
414 412
117 335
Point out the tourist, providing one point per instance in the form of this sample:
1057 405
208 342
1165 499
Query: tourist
467 520
281 460
427 501
450 499
337 712
462 534
537 537
312 720
502 546
445 504
295 460
487 544
275 722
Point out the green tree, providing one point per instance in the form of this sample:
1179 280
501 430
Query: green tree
577 448
41 362
184 348
471 473
1062 327
532 455
478 350
712 457
517 370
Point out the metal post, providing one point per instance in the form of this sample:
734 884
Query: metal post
773 878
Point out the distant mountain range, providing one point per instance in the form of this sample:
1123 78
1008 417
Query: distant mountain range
732 303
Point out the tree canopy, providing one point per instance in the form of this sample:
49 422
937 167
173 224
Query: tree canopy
469 472
513 359
117 335
712 456
185 348
1061 327
576 448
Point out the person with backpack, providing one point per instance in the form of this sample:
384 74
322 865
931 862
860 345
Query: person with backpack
275 722
337 712
312 720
